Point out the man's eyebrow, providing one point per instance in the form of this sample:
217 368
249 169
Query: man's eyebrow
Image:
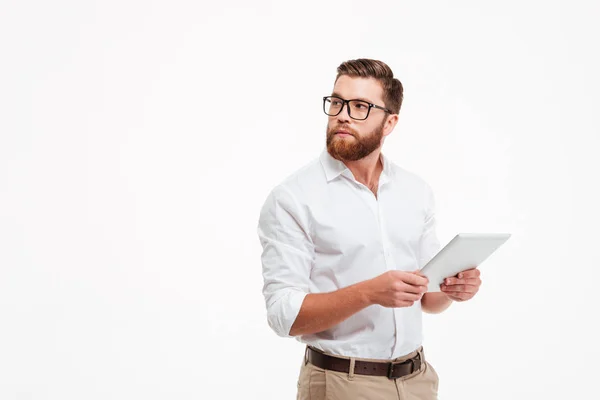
356 98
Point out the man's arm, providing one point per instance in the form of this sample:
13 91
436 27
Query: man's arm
287 258
434 302
321 311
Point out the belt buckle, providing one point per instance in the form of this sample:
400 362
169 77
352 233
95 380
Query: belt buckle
391 367
390 371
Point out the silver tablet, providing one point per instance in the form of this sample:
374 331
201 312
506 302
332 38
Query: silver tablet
464 251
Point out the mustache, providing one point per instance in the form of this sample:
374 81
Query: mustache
332 131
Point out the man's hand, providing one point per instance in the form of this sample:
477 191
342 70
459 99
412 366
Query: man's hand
396 288
462 286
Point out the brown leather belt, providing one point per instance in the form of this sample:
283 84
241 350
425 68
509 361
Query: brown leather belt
390 369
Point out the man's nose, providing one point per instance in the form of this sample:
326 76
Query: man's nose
344 115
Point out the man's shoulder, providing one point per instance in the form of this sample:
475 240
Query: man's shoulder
306 177
405 176
296 185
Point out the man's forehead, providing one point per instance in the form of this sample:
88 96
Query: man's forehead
358 88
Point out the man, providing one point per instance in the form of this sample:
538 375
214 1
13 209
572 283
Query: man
343 239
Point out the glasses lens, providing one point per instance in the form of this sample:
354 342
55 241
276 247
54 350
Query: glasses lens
332 105
359 109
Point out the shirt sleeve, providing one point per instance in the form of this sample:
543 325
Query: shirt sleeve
429 243
287 258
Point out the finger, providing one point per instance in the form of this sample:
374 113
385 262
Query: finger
416 289
403 303
414 279
464 281
459 296
459 288
410 296
469 273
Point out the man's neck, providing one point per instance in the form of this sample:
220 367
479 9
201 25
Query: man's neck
367 170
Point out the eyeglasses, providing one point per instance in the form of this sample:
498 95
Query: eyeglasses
357 109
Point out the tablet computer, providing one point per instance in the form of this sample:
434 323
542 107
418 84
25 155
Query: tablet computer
464 251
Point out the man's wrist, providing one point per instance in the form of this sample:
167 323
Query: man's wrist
364 291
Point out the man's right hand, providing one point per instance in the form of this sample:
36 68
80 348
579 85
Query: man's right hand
396 288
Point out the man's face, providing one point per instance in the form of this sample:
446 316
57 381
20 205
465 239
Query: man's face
364 136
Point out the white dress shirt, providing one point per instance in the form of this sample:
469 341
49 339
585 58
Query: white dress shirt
321 230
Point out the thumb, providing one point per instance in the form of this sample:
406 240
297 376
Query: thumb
419 273
419 278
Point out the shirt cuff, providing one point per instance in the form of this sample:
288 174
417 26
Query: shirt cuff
283 313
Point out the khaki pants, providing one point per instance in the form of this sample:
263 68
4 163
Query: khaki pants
317 383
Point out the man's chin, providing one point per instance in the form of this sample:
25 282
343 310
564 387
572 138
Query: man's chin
340 155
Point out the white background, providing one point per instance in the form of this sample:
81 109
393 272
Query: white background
139 139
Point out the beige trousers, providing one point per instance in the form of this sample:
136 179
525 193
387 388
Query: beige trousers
316 383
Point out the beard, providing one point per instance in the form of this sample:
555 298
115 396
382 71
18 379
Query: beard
353 148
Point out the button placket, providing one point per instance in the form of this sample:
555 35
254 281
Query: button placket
387 253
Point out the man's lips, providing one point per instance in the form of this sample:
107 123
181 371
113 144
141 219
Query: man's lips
343 133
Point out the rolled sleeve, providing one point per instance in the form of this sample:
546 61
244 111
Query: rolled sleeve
287 258
429 242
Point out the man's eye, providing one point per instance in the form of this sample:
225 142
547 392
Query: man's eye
360 105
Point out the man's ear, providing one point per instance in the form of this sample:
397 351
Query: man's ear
390 123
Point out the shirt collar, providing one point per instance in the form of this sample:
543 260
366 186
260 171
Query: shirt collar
334 168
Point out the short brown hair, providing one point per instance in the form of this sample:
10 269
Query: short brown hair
393 91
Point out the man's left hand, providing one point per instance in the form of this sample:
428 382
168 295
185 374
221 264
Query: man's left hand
462 286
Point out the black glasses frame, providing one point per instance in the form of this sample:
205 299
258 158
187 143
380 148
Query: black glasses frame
347 104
